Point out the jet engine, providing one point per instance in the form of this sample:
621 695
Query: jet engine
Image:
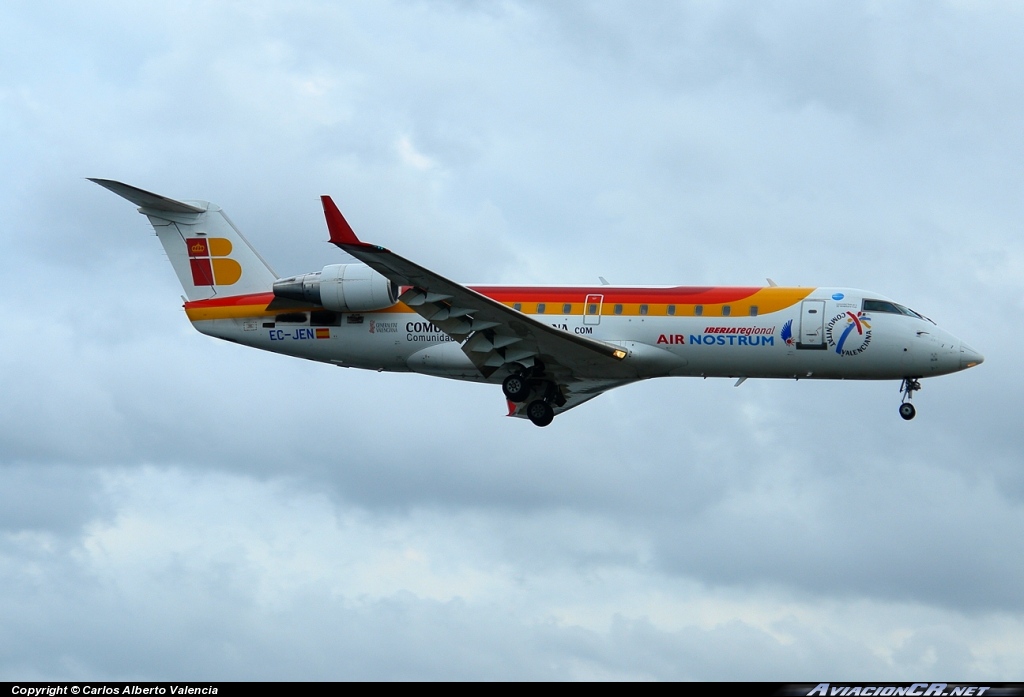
341 288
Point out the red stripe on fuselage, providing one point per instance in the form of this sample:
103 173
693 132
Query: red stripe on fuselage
692 295
233 300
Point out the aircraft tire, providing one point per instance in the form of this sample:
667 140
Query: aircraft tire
540 412
907 411
516 388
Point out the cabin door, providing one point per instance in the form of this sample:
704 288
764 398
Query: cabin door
812 325
592 309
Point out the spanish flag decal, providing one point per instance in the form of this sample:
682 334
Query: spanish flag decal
323 333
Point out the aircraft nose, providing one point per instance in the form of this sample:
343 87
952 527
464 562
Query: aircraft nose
969 357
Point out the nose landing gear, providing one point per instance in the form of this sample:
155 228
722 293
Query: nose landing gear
907 388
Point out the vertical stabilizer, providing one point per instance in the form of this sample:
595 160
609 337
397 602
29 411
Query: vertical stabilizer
209 254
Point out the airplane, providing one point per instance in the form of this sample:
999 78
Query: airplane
551 348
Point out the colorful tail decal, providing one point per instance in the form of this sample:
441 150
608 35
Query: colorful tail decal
210 260
208 253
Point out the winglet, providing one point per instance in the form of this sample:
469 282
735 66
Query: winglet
341 232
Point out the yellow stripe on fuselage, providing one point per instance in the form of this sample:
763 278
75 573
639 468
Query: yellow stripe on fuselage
766 300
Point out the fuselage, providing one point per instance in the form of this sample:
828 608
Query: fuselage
750 332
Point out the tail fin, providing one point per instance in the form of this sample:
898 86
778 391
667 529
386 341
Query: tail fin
209 254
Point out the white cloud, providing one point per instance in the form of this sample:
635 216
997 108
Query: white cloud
411 156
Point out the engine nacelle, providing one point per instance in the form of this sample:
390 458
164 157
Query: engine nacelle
341 288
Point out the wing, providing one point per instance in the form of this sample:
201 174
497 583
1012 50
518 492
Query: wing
493 335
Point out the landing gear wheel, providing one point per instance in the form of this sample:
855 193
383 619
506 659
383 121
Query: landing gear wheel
907 388
540 412
516 388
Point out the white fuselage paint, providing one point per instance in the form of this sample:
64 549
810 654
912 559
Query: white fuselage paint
893 347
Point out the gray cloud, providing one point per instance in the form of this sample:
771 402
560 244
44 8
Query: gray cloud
226 578
174 507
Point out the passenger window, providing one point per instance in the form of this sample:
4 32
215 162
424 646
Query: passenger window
567 308
726 310
670 310
698 310
517 307
592 309
541 307
643 309
618 309
753 310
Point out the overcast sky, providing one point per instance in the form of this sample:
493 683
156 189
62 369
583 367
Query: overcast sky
173 507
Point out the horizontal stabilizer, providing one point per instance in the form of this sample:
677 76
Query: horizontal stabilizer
147 199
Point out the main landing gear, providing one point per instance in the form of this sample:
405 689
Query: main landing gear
540 412
516 387
907 388
522 384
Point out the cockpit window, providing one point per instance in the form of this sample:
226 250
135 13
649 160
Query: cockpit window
880 306
892 308
907 311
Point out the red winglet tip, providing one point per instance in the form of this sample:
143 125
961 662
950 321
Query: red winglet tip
341 232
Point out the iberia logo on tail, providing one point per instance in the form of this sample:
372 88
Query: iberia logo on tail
211 266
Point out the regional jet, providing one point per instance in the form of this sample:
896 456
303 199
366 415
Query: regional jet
551 348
